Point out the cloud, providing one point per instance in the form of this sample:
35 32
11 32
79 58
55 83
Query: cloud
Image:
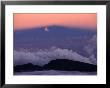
91 49
93 59
92 45
42 57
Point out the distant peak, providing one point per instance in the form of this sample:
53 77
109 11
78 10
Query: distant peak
46 29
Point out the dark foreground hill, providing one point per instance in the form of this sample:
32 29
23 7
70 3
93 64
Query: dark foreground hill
26 67
58 64
69 65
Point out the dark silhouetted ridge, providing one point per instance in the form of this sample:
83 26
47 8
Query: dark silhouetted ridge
58 64
26 67
69 65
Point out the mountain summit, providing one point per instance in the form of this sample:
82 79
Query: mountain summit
59 36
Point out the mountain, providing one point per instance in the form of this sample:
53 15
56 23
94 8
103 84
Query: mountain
35 45
54 31
58 64
59 36
26 67
69 65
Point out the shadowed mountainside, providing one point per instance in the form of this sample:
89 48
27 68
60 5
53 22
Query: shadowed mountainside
58 36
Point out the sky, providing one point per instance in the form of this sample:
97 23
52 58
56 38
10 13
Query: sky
31 20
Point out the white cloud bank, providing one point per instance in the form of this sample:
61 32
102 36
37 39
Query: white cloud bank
42 57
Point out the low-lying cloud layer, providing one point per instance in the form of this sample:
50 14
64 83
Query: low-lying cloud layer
43 57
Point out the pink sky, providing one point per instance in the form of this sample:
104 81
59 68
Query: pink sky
29 20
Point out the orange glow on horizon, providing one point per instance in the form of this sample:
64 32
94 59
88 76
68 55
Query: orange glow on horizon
28 20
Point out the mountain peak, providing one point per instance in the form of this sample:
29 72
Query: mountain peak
46 29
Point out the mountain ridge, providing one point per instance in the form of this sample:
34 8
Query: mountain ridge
58 64
50 26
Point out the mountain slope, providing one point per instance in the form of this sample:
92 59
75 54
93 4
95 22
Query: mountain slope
63 37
